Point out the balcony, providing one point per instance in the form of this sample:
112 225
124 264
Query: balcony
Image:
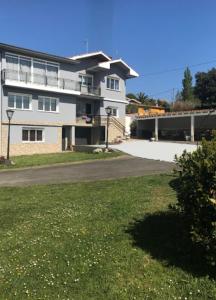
47 83
90 120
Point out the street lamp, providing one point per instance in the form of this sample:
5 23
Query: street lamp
108 112
9 115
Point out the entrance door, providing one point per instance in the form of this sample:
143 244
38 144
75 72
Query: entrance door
88 109
83 135
66 138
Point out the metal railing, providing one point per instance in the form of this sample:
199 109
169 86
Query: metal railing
50 81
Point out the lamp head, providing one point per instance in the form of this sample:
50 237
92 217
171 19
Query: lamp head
10 113
108 110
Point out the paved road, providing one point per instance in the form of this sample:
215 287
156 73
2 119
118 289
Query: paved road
88 171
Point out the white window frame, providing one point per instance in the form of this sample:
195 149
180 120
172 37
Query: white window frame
48 111
86 75
117 111
22 95
35 129
47 63
115 79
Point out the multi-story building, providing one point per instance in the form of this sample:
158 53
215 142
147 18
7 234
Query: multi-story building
59 102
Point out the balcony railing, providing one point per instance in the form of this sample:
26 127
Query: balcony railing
49 81
95 120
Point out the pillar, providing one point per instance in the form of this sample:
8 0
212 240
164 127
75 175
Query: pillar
156 129
192 128
73 135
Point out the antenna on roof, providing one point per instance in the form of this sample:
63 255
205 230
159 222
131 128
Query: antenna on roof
87 45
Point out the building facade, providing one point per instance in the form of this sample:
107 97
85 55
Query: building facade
60 102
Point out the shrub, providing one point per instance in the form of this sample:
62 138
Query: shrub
131 109
196 195
186 105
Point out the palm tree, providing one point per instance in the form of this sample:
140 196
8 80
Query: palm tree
142 97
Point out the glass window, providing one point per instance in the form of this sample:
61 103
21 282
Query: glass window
116 85
25 102
12 62
25 135
20 68
25 65
53 104
39 67
114 112
113 84
40 104
47 104
52 71
86 80
11 101
32 135
108 82
18 101
39 135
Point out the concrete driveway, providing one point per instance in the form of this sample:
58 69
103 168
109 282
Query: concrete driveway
164 151
125 166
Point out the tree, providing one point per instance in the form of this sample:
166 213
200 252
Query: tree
131 96
178 96
165 104
187 91
205 88
142 97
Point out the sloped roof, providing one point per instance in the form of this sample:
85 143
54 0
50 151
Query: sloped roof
130 72
100 54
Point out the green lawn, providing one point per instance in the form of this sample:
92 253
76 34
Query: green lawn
111 240
54 158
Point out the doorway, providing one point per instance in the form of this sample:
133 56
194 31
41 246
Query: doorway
66 138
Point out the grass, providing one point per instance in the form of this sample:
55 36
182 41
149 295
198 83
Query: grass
54 158
110 240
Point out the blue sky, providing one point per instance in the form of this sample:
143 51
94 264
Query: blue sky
151 36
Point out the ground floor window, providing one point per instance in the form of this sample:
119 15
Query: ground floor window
32 135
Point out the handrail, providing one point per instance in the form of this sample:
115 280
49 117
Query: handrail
52 81
117 123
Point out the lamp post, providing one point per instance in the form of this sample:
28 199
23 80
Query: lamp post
108 112
9 115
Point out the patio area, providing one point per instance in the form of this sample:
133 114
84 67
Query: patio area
164 151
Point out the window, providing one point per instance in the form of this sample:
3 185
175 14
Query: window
48 104
114 111
112 83
18 101
86 80
32 135
84 109
31 69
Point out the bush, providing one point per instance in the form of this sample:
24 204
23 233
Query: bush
196 195
131 109
186 105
